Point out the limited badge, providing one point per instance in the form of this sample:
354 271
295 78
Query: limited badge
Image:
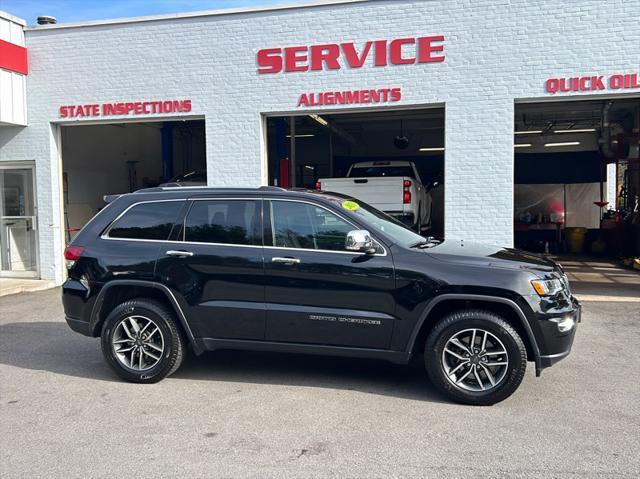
350 205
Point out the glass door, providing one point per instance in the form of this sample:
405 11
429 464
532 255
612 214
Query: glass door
18 235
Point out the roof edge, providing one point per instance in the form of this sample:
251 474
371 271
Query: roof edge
12 18
182 15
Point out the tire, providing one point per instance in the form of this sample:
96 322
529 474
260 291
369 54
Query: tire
488 379
158 356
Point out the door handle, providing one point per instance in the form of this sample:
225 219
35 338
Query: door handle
180 254
285 260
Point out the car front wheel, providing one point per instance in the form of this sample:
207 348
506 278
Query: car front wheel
475 357
142 342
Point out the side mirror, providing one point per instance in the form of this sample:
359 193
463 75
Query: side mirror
359 240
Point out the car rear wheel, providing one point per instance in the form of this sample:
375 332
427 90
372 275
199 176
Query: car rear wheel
475 357
142 342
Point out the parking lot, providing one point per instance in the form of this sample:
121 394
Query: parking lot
63 413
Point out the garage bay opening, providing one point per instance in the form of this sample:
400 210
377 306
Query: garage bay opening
577 177
393 160
116 158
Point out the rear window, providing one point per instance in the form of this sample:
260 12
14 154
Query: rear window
378 171
147 221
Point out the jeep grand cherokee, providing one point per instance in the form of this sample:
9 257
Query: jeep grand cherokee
266 269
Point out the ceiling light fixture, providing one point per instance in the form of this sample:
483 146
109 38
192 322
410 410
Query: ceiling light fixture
522 145
566 143
307 135
438 148
577 130
319 119
530 132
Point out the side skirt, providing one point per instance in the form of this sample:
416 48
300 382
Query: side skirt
211 344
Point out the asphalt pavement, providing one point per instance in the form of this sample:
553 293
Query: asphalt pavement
63 413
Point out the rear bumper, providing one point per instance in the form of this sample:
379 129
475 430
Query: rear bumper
408 218
79 326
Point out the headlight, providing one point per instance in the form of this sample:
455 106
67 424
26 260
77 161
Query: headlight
547 287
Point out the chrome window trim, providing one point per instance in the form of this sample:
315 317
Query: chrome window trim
263 246
346 220
174 242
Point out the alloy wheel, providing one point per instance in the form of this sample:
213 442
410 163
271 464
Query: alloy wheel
475 360
138 343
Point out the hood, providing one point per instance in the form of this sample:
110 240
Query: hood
482 254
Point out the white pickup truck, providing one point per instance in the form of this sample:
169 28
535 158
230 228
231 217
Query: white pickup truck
390 186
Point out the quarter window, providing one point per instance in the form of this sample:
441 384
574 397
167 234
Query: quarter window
224 221
147 221
302 225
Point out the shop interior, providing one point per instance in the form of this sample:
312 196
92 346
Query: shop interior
306 148
577 177
115 158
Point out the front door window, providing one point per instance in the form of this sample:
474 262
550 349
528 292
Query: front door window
303 225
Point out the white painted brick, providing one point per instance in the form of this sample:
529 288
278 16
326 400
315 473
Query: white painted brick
497 51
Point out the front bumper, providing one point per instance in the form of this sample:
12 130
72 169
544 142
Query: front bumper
555 344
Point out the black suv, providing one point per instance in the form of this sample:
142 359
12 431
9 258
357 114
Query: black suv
309 272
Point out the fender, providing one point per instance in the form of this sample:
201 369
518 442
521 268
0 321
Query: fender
479 297
95 312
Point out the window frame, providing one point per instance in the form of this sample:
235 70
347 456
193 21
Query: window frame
105 234
270 232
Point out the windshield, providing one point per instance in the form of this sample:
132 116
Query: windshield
377 171
378 221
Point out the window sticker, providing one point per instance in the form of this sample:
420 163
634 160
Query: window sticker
350 205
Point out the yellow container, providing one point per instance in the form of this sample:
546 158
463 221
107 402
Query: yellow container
575 239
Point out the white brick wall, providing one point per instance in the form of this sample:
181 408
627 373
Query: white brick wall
497 51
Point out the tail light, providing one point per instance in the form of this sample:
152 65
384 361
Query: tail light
72 254
406 194
318 185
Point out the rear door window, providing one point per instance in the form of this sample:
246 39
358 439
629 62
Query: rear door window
147 221
224 221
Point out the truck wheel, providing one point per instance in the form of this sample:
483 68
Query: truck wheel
475 357
142 342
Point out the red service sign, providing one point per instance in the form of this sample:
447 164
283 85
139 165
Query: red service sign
334 56
593 83
350 97
125 108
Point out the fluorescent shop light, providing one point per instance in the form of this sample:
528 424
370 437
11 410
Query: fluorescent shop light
522 145
308 135
319 119
577 130
566 143
530 132
439 148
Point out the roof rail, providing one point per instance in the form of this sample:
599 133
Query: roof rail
109 198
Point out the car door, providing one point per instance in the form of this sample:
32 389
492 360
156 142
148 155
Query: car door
215 264
317 292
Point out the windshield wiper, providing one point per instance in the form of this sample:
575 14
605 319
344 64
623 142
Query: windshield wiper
426 243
